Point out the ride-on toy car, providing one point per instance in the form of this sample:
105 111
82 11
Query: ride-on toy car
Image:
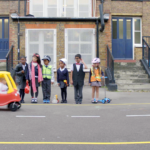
12 97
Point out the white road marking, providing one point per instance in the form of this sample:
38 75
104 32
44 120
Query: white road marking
137 115
85 116
30 116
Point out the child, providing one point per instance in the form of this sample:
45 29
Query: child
3 86
48 79
21 76
35 76
95 78
62 74
77 77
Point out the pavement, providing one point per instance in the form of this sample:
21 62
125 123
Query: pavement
123 124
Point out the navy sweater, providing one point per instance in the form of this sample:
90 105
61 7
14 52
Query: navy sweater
62 75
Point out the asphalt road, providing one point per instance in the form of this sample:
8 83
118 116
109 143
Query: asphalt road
84 127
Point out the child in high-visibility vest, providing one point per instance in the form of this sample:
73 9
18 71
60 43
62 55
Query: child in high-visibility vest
95 78
48 79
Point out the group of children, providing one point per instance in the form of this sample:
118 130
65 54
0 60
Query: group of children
35 73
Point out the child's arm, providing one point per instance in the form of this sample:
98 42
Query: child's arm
17 71
102 73
90 77
67 77
58 78
85 66
52 78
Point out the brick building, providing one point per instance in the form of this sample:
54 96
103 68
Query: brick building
62 28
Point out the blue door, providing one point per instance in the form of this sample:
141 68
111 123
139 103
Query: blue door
122 38
4 37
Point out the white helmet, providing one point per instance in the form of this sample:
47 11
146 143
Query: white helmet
64 60
96 60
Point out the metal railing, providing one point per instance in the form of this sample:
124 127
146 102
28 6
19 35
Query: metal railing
146 50
110 65
9 59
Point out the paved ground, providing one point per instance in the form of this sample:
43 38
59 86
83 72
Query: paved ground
61 127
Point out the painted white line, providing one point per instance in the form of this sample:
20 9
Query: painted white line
137 115
30 116
85 116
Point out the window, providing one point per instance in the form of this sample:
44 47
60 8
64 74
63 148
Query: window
80 41
61 8
42 41
137 31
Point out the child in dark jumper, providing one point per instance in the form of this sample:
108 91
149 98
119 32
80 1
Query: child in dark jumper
63 79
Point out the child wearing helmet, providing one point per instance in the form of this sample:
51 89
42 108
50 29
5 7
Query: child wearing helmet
63 79
95 78
35 76
48 79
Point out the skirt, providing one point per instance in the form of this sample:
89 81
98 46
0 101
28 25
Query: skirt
96 83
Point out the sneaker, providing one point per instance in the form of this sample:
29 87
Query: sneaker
80 102
76 102
44 101
32 100
48 101
35 100
62 101
65 101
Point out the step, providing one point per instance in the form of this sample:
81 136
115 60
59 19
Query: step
129 68
127 81
134 72
123 64
130 76
2 66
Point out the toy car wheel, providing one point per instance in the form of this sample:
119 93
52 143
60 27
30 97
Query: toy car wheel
8 105
18 105
13 107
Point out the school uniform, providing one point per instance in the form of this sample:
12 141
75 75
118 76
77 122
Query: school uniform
62 74
78 81
21 78
48 77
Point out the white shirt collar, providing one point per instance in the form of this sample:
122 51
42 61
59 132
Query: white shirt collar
62 69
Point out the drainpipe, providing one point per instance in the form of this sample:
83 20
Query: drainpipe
97 35
18 31
101 16
25 7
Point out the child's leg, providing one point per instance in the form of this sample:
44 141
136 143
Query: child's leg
44 89
23 94
37 92
97 92
32 94
65 93
93 92
62 94
48 93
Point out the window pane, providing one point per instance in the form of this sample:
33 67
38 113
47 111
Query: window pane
37 5
34 48
73 35
73 48
71 59
137 24
120 28
84 8
128 26
48 35
69 8
38 14
52 12
48 49
87 58
86 35
34 35
86 48
0 28
6 28
137 37
52 3
114 23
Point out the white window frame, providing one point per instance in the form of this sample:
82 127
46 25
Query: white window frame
66 46
137 45
60 6
54 65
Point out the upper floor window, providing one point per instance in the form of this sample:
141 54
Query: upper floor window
61 8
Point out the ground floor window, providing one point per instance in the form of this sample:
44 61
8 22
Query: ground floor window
42 41
79 41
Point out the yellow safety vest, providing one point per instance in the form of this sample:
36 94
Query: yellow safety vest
46 72
96 75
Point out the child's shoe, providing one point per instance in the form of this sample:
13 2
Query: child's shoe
48 101
62 101
32 100
44 101
35 100
65 101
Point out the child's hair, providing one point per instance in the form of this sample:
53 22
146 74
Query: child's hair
38 58
78 55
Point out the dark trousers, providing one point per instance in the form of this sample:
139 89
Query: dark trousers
46 88
37 92
64 93
22 94
78 93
